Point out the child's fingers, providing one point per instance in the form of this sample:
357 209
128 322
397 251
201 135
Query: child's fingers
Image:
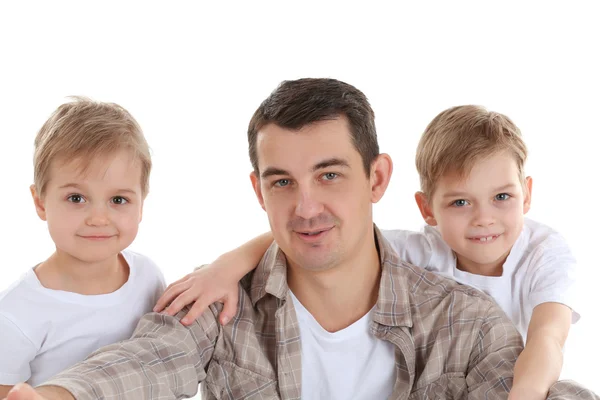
197 309
187 297
23 391
185 280
169 294
229 308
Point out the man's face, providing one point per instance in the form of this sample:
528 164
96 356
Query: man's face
481 216
316 193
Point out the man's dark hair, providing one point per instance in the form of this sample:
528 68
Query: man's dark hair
295 104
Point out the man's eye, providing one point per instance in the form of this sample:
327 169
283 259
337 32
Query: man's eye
119 200
76 198
282 182
502 196
330 176
459 203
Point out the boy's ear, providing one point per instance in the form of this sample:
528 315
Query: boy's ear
38 202
256 186
527 194
381 172
425 208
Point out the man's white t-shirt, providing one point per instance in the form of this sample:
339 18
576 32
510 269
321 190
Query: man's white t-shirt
44 331
539 269
347 364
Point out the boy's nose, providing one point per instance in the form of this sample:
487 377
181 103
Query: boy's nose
97 217
483 217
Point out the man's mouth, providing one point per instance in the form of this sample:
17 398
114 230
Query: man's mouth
313 234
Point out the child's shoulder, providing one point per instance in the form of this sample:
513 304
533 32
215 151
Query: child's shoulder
19 289
541 247
541 237
22 308
146 274
141 263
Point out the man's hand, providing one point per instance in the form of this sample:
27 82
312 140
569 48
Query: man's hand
23 391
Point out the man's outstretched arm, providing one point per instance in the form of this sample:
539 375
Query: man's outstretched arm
163 359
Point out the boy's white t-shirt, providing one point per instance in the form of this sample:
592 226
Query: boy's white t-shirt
539 269
347 364
45 331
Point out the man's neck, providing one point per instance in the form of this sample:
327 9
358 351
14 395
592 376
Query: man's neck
342 295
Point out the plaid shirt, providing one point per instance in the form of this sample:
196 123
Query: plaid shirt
452 342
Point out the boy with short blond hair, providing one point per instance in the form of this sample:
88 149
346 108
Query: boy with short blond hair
91 176
474 195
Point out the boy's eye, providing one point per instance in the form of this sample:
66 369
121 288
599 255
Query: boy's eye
330 176
502 196
460 203
119 200
76 198
282 182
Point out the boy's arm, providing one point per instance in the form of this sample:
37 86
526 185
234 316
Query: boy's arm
16 353
539 365
214 282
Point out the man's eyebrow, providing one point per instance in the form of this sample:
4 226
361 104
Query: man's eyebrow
332 162
271 171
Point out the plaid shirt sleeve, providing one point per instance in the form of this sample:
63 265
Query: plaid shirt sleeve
567 390
493 357
162 360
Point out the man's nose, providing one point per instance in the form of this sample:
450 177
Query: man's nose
308 204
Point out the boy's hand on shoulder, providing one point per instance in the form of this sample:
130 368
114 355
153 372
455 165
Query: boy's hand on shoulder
209 284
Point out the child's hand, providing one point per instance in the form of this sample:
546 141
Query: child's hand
23 391
202 287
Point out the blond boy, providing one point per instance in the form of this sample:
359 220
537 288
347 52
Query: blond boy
91 174
474 195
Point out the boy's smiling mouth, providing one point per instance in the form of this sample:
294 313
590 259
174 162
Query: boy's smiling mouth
484 239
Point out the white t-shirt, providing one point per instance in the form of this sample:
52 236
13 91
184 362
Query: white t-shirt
44 331
347 364
539 269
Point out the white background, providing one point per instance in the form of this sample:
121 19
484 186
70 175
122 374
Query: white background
193 75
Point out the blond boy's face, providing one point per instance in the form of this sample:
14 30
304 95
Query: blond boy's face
93 216
481 216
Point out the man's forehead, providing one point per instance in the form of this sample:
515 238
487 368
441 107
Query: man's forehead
305 147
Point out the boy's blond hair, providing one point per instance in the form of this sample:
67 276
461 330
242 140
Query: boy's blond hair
459 137
84 130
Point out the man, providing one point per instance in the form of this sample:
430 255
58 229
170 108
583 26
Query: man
330 312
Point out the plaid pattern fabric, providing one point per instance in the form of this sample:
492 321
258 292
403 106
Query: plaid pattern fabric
452 342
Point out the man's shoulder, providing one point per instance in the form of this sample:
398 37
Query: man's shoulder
426 286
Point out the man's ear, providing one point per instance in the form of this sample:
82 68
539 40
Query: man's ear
381 172
425 208
38 202
527 194
256 186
